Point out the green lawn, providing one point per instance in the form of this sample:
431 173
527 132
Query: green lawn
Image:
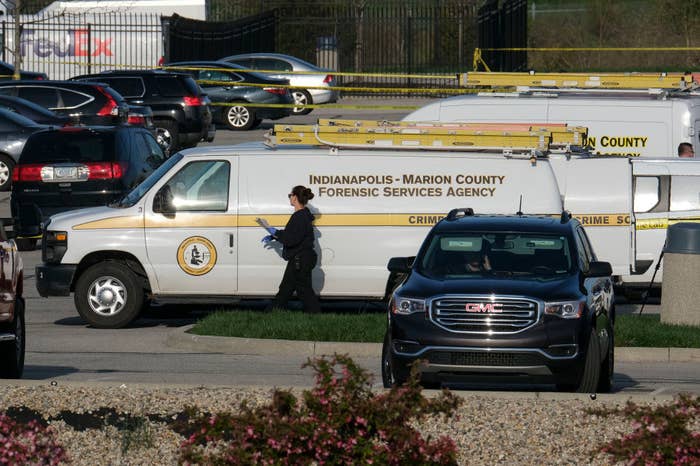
630 330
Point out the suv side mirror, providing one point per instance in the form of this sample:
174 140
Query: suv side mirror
599 269
400 264
4 234
163 201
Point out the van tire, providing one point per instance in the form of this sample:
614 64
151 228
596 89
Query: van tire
119 289
239 117
391 375
167 136
12 352
6 167
591 367
26 244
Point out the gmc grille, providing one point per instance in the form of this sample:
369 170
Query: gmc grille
483 314
485 358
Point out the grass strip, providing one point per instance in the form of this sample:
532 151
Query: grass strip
649 331
294 325
630 330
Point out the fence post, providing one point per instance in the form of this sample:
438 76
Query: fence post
89 54
409 48
4 42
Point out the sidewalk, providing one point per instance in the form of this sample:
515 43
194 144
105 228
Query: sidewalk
181 339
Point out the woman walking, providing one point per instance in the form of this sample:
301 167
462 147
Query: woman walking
298 241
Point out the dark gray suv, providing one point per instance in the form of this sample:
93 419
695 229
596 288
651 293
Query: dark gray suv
503 296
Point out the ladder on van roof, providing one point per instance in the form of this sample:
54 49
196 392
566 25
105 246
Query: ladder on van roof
506 138
537 81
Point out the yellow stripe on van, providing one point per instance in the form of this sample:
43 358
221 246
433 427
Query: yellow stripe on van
603 220
135 221
663 223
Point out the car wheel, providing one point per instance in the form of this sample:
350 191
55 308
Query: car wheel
391 375
301 98
12 352
591 368
109 295
607 367
167 135
26 244
239 118
6 167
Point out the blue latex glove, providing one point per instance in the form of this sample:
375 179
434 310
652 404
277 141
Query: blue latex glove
267 239
271 230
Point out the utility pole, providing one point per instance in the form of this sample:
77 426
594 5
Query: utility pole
18 37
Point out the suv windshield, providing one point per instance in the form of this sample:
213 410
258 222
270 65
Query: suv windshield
139 191
72 145
475 254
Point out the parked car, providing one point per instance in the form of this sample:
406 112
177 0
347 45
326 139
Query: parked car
141 115
14 131
88 103
509 296
281 65
181 111
34 112
12 329
7 71
72 167
220 80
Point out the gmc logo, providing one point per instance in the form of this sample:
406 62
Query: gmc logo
484 307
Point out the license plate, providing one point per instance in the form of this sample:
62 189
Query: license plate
65 173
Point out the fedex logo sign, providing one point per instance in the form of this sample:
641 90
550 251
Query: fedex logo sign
484 307
75 43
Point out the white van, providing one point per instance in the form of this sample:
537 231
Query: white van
619 122
370 205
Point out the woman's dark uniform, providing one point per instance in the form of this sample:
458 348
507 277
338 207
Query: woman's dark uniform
298 241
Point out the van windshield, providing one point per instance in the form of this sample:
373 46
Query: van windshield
139 191
509 255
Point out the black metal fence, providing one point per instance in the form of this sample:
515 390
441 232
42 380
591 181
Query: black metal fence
71 44
503 25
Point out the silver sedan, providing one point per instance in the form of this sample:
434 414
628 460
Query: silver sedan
312 88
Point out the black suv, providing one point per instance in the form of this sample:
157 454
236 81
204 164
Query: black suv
505 296
181 112
72 167
86 103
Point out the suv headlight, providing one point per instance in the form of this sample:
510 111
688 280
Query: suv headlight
565 309
54 245
401 305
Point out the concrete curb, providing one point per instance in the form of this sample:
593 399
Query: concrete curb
180 339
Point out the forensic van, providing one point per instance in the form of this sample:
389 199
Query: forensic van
188 232
621 122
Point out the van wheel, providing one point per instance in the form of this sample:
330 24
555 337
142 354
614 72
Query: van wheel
239 117
26 244
591 368
6 167
167 135
12 352
391 375
108 295
301 98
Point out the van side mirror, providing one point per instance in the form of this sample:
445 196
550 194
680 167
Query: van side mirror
163 201
400 264
599 269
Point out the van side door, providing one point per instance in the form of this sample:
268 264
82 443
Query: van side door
191 228
652 182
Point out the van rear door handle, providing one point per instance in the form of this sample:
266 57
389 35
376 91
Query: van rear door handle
230 240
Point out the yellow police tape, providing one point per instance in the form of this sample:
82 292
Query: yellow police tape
592 49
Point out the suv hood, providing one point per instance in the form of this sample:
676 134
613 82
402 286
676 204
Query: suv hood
419 286
68 220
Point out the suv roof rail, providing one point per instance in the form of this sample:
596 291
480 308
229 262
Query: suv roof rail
565 216
464 211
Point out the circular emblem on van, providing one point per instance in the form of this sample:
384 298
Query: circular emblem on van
196 255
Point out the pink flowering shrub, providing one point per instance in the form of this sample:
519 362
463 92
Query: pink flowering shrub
660 435
339 421
29 443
